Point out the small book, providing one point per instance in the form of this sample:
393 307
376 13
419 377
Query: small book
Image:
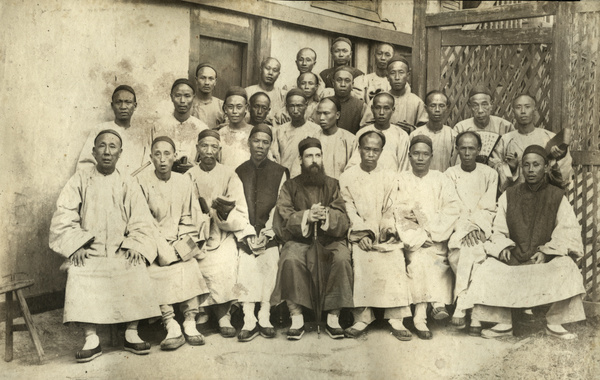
562 140
186 248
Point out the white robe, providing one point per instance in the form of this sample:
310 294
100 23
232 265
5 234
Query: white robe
477 193
433 201
174 211
108 215
184 135
337 150
444 148
394 156
234 145
219 267
380 278
368 85
285 144
211 112
408 108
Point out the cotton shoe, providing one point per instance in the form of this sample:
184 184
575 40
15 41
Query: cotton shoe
267 332
295 334
497 332
248 335
138 348
335 332
84 356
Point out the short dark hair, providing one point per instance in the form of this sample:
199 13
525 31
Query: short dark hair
308 72
472 133
384 94
369 133
256 95
524 94
436 92
264 61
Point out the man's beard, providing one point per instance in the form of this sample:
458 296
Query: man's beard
314 175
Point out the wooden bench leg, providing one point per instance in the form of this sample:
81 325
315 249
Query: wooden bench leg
30 326
8 348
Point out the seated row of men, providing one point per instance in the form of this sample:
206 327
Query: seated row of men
220 235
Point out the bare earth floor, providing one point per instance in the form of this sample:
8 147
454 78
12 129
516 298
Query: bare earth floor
376 355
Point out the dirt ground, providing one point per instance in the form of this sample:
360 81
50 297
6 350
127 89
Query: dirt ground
450 355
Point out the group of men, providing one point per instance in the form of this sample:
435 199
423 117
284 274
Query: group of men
223 203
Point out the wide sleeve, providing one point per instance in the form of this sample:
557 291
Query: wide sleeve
190 210
499 239
357 222
441 226
140 233
566 237
66 233
237 221
86 159
287 222
338 222
268 228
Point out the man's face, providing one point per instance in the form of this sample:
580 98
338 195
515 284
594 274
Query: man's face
524 109
182 97
296 107
534 168
370 149
342 83
398 75
123 105
312 159
481 107
206 80
208 148
107 151
341 53
163 155
420 157
305 61
327 114
383 54
235 108
468 149
270 71
259 144
382 109
436 107
308 84
259 109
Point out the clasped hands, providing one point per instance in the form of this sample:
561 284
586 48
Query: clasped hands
257 244
133 257
317 212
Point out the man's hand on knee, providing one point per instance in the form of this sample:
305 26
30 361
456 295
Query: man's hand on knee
78 258
505 255
134 257
538 258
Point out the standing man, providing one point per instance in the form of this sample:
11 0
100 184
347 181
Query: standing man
506 157
181 126
257 271
260 106
207 107
311 198
102 226
337 143
427 208
409 111
223 198
234 135
287 136
175 274
394 156
341 53
136 138
476 185
305 62
310 83
380 278
535 240
442 136
270 68
353 108
369 85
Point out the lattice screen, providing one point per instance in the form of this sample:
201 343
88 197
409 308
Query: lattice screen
506 69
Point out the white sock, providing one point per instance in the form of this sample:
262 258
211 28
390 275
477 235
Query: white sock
190 328
421 326
557 328
132 336
249 318
502 326
475 323
225 321
459 313
202 316
397 324
360 326
91 341
297 321
333 321
173 329
264 315
528 311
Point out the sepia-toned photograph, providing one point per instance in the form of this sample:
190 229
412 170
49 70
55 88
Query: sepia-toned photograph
300 189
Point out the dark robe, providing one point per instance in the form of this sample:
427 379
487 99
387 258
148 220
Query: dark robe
531 216
351 114
293 277
327 75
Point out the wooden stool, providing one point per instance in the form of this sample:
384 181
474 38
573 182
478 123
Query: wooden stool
17 287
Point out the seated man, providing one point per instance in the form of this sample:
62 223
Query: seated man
102 225
312 200
476 185
258 255
223 199
337 143
234 135
176 276
443 137
380 278
427 208
181 126
306 59
534 224
207 107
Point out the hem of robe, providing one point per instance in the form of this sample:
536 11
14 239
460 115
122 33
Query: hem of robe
257 276
107 291
498 284
380 279
219 269
178 282
431 277
464 262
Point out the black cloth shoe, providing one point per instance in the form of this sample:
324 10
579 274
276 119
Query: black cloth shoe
171 344
227 332
267 332
295 334
335 333
425 335
137 348
475 330
247 335
84 356
403 335
353 333
194 340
